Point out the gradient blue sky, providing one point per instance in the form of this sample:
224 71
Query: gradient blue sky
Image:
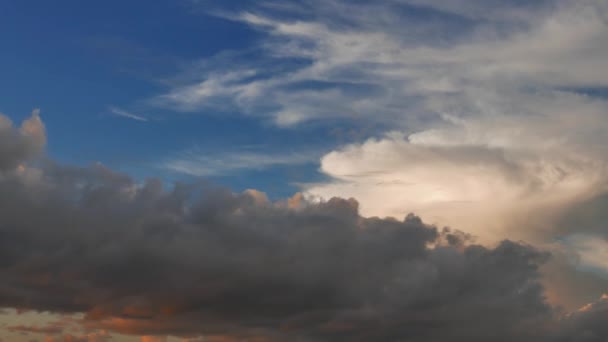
78 61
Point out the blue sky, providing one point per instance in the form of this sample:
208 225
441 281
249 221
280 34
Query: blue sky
487 116
78 61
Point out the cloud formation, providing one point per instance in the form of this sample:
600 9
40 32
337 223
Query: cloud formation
195 260
121 112
201 163
18 144
486 106
492 113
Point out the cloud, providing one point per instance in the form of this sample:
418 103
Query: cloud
125 114
495 123
203 163
20 143
196 261
592 252
505 10
587 324
493 111
503 167
493 93
100 336
57 330
49 329
331 59
153 339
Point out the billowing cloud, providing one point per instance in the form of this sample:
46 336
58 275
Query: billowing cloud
493 109
195 260
480 173
21 143
492 112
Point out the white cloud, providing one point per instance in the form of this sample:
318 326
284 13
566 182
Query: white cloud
126 114
201 163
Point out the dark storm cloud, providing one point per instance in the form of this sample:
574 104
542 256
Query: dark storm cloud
589 216
196 259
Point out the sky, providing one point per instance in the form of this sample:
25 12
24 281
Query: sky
303 170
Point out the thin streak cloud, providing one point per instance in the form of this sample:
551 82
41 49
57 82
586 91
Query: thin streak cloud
200 163
125 114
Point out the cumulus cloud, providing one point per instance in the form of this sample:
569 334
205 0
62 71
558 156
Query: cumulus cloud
487 102
494 111
480 173
21 143
503 79
198 261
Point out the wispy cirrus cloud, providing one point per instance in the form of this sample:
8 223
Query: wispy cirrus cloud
125 114
389 66
197 162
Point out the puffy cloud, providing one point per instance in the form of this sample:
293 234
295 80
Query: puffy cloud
538 176
498 106
195 260
20 143
490 123
490 91
480 173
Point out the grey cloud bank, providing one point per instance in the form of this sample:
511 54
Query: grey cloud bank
198 260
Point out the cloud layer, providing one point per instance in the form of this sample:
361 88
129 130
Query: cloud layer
483 106
491 114
197 260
